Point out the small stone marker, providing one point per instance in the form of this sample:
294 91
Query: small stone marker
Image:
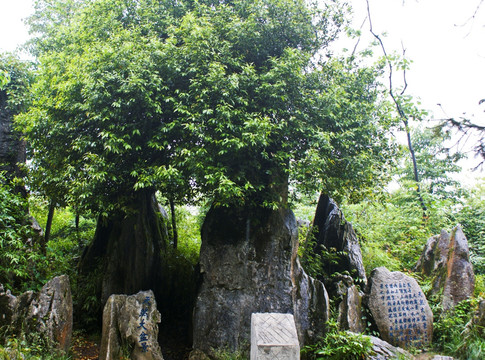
274 337
400 309
131 322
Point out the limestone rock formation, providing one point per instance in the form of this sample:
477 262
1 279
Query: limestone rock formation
48 313
478 321
400 309
8 303
248 264
273 336
130 324
129 248
12 148
333 233
446 258
350 311
382 350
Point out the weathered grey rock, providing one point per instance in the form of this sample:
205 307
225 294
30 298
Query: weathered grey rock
198 355
128 250
12 148
8 303
446 258
435 254
273 336
130 324
382 350
441 357
248 264
47 313
400 309
332 231
350 311
477 322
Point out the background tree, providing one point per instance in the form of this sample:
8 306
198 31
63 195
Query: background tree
15 78
201 96
18 240
225 102
437 163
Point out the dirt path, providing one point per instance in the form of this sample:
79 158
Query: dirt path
84 348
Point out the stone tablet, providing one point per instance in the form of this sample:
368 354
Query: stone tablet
400 309
273 336
131 322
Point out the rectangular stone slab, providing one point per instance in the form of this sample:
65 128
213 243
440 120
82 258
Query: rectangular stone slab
273 336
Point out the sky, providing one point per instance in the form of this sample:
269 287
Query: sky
446 46
445 39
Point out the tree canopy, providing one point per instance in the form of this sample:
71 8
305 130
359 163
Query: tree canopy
227 100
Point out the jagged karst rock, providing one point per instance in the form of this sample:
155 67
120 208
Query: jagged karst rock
248 264
332 231
477 322
382 350
399 309
12 147
198 355
129 249
8 303
350 311
47 313
130 324
446 258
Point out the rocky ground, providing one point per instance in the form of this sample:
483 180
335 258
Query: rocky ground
84 347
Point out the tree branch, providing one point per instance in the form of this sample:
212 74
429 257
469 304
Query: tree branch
400 111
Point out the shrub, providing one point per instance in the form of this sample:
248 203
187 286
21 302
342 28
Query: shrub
454 333
339 345
18 249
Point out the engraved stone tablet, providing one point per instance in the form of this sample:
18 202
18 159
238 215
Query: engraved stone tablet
400 309
273 336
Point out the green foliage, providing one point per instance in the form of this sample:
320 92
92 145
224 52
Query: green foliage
225 99
436 163
18 254
33 349
4 79
87 300
67 240
339 345
15 79
223 354
453 336
393 229
188 227
472 218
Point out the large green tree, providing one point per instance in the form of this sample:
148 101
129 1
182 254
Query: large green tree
226 100
230 99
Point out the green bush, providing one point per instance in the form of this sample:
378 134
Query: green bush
472 218
454 334
223 354
19 253
36 349
339 345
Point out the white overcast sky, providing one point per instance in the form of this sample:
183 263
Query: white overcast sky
447 47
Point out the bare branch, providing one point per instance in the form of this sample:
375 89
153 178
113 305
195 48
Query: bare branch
400 111
404 71
471 19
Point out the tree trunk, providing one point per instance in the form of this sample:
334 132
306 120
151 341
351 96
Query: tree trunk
48 226
415 170
130 250
174 224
